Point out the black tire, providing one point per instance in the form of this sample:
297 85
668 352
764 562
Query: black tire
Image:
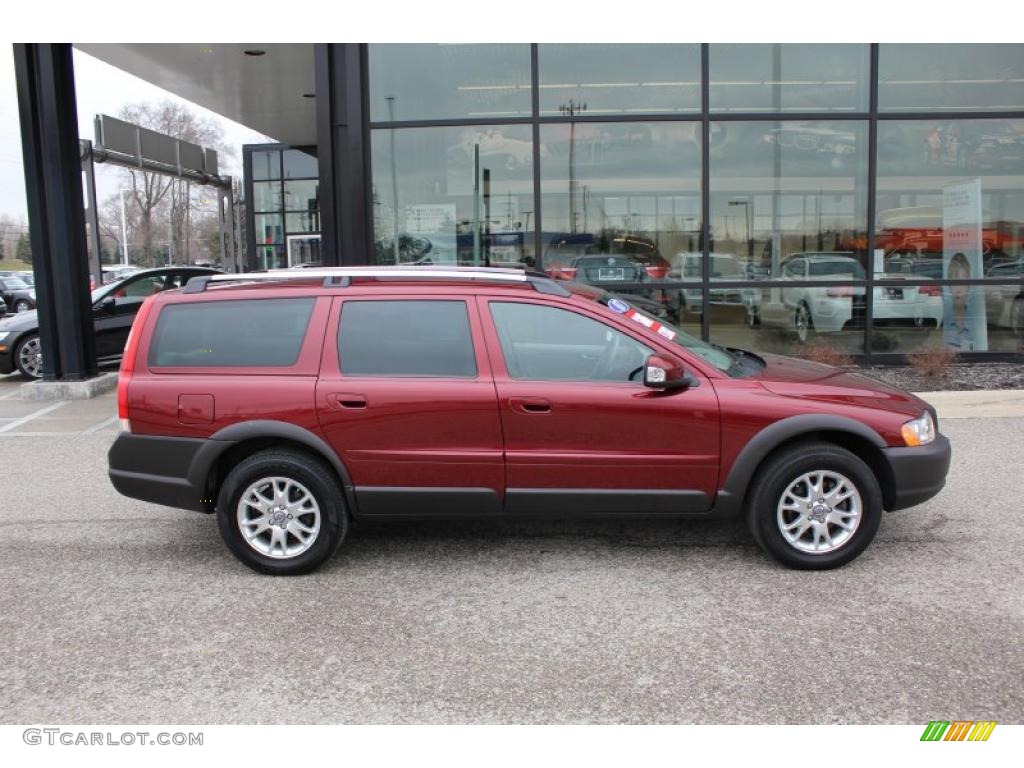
22 306
774 478
321 482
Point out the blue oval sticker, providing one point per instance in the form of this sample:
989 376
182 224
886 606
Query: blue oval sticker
618 306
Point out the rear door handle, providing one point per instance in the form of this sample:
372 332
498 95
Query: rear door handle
346 401
529 405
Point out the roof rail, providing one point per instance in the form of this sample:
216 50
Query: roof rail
340 277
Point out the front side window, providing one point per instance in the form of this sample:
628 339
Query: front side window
253 332
405 338
543 343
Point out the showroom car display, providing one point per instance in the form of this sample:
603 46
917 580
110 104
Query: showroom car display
291 404
723 267
114 307
803 309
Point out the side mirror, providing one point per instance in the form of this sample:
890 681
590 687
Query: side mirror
108 305
662 372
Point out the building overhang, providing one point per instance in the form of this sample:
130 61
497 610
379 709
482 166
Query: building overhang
267 92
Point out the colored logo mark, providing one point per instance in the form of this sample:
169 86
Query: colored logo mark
958 730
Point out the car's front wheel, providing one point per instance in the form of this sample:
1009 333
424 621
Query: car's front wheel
21 305
814 506
802 322
282 512
28 356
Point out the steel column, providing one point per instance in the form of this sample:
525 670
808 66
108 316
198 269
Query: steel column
53 185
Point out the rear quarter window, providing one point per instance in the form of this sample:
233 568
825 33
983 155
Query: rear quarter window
249 333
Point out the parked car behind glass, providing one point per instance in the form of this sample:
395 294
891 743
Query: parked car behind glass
18 295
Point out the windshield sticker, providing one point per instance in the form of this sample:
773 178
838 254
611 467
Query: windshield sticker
634 315
654 325
618 306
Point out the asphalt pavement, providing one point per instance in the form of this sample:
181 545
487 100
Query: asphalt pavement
115 610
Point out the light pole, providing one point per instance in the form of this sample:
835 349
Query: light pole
747 224
124 233
572 109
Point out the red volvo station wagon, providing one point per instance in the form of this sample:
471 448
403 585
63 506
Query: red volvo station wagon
292 404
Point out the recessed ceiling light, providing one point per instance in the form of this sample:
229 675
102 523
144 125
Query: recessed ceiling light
309 95
254 52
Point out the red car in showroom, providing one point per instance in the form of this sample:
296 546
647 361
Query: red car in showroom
290 404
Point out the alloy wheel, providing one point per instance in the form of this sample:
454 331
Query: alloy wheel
819 512
802 322
30 358
278 517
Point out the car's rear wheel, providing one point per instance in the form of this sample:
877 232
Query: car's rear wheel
282 512
28 356
22 306
802 322
814 506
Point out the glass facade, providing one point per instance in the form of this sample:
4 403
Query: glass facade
790 198
283 205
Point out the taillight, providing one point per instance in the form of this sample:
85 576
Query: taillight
657 272
563 273
929 290
124 376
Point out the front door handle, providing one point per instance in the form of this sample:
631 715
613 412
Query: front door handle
529 405
346 401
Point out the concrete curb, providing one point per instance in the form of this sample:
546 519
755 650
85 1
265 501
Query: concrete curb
977 404
69 390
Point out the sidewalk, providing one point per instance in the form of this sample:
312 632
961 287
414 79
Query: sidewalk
979 404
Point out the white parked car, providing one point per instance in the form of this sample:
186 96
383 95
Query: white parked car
803 309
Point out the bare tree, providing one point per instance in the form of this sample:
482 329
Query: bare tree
154 193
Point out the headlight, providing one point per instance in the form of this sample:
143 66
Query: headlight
919 431
4 335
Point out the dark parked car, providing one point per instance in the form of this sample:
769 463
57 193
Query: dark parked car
291 404
17 294
3 307
114 308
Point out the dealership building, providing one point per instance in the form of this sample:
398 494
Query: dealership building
867 199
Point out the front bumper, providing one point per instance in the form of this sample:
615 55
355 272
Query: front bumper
7 357
917 474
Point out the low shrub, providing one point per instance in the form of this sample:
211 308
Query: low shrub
933 362
820 351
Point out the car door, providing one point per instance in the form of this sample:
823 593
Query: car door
406 399
113 321
580 436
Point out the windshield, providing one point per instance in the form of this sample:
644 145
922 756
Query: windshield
721 358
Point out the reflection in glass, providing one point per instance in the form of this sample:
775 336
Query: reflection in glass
948 76
783 189
788 77
268 228
266 196
299 164
266 165
949 186
784 319
428 81
302 195
621 201
453 195
616 78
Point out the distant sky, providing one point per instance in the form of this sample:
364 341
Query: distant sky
100 88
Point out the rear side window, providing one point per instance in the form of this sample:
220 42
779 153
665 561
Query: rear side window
405 338
253 332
